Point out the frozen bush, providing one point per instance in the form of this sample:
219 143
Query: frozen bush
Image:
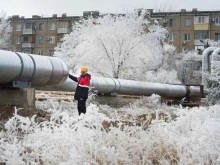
191 137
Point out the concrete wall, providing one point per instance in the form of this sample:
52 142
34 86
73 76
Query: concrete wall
16 96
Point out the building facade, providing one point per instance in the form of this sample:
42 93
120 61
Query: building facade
190 30
39 35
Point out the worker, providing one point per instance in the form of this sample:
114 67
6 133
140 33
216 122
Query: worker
82 89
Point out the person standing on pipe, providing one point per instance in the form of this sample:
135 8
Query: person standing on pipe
82 89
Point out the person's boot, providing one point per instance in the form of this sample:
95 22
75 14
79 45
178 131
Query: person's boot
83 110
80 109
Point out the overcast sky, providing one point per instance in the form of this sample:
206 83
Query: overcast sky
28 8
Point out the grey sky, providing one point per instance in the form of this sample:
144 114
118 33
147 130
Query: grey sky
28 8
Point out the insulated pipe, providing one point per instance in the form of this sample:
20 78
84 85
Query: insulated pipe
130 87
215 60
39 70
44 71
206 64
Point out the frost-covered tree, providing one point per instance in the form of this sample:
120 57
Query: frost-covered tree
214 82
214 88
169 57
5 30
119 46
209 43
166 72
189 68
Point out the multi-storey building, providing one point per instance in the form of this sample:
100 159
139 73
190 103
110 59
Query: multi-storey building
189 30
39 35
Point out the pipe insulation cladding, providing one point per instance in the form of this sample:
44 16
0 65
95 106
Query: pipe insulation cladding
215 63
130 87
39 70
206 64
210 62
51 73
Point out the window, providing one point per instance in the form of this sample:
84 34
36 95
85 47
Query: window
40 40
201 20
201 34
52 39
52 26
217 36
172 22
217 21
187 22
18 27
26 39
18 40
27 26
63 25
40 52
51 53
186 37
41 26
172 36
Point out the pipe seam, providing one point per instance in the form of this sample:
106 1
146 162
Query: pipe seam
22 66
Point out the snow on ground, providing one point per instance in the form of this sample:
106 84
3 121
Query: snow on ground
144 132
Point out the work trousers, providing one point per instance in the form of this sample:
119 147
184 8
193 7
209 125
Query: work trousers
81 106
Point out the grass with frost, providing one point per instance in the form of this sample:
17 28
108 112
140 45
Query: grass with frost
145 132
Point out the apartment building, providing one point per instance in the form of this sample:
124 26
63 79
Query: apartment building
39 35
190 29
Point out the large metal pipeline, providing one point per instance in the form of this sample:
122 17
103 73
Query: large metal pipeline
207 66
215 63
44 71
34 69
129 87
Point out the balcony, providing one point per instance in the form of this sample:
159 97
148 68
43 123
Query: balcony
27 45
201 22
201 26
63 30
28 31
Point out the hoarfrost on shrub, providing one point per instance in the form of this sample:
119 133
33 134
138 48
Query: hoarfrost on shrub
144 132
